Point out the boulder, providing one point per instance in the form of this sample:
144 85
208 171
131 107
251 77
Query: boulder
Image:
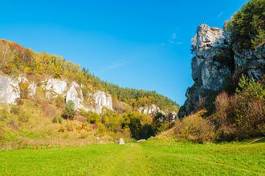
121 141
9 90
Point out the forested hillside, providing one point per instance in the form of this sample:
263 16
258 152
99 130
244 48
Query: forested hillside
45 99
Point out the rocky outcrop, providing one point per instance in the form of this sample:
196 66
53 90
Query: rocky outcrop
9 90
32 89
250 62
149 110
154 110
215 63
102 100
75 95
55 87
10 93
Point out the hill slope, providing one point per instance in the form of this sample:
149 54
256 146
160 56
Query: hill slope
45 99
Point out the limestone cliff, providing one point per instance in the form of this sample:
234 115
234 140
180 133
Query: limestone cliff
217 63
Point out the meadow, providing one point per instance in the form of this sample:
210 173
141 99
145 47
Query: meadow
153 157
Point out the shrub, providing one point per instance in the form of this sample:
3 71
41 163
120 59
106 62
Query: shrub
24 89
69 110
59 101
57 119
15 110
91 117
242 115
112 121
194 128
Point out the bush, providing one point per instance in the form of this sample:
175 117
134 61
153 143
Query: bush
91 117
24 89
59 101
57 119
69 110
194 128
242 115
112 121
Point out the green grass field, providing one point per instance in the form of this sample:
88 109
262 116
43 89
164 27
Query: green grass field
148 158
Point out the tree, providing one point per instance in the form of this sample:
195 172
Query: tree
135 128
147 131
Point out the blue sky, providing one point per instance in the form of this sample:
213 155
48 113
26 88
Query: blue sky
137 43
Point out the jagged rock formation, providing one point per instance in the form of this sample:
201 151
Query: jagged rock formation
149 110
10 93
9 90
216 62
55 87
102 100
75 95
153 110
32 89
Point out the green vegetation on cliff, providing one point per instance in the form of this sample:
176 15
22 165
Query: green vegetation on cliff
248 25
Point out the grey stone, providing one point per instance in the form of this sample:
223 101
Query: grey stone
102 100
55 87
9 90
149 110
75 95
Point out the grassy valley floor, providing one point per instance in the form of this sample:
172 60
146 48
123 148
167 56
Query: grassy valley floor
154 157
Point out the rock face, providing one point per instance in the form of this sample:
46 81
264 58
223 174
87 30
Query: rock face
9 90
75 95
215 62
32 89
149 110
251 62
102 100
10 93
55 87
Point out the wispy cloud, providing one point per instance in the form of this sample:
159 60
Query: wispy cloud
172 41
116 65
